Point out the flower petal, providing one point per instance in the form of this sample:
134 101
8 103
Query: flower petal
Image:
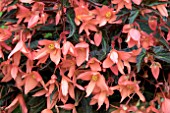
90 88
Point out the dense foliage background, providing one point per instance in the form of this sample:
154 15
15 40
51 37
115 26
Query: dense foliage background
84 56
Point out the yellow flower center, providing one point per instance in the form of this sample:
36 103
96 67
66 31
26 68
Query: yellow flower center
95 78
33 76
78 17
129 87
51 46
108 14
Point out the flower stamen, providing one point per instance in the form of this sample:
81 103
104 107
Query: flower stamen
51 46
95 78
108 14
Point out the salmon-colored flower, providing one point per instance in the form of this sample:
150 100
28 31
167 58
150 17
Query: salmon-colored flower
51 48
127 87
68 48
152 22
68 65
4 35
101 97
94 64
89 25
82 50
133 37
18 100
155 69
122 3
147 40
120 58
23 13
165 105
162 8
126 3
82 14
96 80
98 38
50 92
104 15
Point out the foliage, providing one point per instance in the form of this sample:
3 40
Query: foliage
89 56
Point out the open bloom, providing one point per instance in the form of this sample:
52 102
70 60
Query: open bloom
104 15
82 50
101 97
133 37
126 3
127 87
96 80
52 49
120 58
94 64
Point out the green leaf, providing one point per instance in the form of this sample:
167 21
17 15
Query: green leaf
33 44
133 15
70 17
162 40
48 35
140 59
1 13
36 104
163 56
13 3
158 49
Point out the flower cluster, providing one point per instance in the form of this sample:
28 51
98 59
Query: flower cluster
74 53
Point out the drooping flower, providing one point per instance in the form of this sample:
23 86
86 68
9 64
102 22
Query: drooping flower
133 37
162 8
120 58
51 48
122 3
104 15
155 69
96 80
101 97
82 14
127 87
126 3
82 50
94 64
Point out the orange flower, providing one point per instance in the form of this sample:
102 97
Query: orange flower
117 57
101 97
94 64
68 48
96 80
82 14
51 48
155 69
133 37
122 3
4 35
127 87
88 25
105 15
126 3
162 8
82 50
